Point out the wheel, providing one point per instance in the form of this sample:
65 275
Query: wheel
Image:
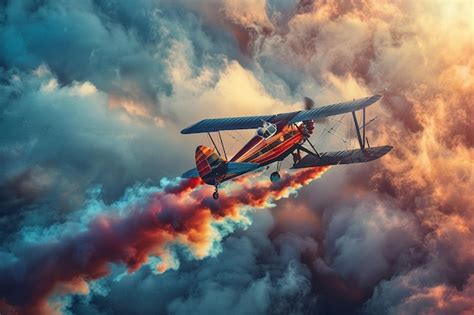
275 177
215 195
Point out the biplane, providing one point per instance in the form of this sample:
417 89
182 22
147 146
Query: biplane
278 136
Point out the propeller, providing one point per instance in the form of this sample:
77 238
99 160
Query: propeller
308 103
308 125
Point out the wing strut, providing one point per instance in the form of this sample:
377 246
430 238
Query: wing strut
363 127
312 146
359 137
222 144
306 138
215 146
300 147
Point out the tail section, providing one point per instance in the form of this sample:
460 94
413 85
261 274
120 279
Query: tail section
207 161
213 169
207 164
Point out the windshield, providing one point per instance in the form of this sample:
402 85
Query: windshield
267 130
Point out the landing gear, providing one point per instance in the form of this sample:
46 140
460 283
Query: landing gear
215 195
275 177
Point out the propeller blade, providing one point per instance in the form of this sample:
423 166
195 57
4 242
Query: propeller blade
308 103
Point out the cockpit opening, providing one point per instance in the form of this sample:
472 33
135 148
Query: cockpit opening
267 130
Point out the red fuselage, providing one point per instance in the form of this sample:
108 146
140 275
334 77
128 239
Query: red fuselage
272 143
268 150
264 151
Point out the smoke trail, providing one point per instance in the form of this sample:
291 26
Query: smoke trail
181 213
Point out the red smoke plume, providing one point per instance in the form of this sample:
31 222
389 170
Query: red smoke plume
180 213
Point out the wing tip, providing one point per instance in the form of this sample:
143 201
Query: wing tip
189 130
375 97
380 94
387 148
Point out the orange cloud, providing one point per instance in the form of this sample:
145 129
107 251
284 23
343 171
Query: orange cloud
181 213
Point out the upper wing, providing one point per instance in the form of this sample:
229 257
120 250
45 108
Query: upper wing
250 122
209 125
335 109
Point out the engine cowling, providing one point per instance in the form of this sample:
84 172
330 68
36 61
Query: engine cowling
308 127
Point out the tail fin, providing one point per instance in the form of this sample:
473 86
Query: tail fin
212 168
207 160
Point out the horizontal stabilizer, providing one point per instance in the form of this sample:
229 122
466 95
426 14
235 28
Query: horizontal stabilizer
191 173
343 157
233 168
240 168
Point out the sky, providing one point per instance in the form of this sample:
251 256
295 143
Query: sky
94 218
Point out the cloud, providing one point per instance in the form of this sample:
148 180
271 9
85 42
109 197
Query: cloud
355 48
94 94
415 292
61 140
119 48
150 224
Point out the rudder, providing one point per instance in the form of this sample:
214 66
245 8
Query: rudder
206 161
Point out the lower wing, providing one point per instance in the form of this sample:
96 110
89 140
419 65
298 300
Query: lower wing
343 157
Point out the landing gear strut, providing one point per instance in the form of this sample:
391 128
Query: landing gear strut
275 176
215 195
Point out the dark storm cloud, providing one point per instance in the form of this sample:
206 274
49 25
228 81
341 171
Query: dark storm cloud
251 275
77 45
119 46
59 141
64 65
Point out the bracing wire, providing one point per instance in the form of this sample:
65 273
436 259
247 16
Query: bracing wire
332 130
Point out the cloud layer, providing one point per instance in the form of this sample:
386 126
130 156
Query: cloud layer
152 222
93 95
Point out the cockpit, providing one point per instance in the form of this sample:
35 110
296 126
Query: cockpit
267 130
